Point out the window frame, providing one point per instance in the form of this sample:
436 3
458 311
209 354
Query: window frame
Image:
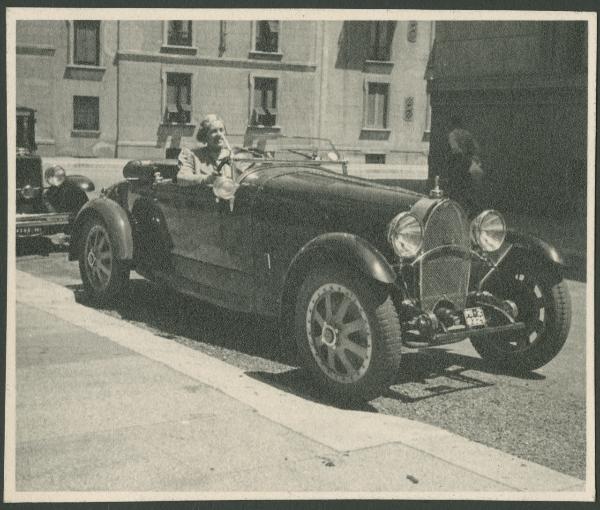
374 42
251 108
387 105
254 31
165 113
100 39
78 129
182 46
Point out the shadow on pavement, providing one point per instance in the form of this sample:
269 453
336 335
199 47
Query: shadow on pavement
38 246
423 375
176 315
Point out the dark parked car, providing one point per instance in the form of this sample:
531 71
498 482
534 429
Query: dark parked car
354 270
33 216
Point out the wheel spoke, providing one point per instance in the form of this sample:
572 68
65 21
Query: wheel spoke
346 362
318 317
101 243
102 269
328 313
342 309
331 358
359 350
354 326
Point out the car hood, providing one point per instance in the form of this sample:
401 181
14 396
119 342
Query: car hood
324 201
317 185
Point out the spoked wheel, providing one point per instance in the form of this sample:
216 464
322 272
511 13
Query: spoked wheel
543 304
348 333
102 273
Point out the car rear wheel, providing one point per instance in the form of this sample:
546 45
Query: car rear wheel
348 333
103 275
544 305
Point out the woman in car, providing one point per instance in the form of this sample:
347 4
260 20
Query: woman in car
201 165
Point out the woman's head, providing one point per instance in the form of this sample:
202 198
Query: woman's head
212 131
55 175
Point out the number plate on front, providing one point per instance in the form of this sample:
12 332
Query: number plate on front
474 317
29 231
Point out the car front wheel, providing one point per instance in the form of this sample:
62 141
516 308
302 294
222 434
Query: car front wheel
348 333
544 306
102 273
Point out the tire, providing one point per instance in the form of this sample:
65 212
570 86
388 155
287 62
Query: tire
358 364
544 305
104 276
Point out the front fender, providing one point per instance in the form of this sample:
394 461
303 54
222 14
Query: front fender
82 182
537 246
116 220
350 248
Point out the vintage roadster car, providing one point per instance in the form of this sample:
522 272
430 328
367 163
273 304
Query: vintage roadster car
355 271
33 217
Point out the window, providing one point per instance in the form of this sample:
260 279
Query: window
179 33
412 31
267 36
179 98
376 105
375 159
381 40
86 43
264 112
409 105
86 113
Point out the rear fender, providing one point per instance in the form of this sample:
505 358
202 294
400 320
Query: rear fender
116 220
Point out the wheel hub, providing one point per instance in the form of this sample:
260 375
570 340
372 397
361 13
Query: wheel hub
329 335
91 258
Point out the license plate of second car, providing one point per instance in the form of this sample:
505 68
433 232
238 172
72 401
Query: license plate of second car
474 317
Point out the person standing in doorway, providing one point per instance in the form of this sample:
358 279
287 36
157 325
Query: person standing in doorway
464 166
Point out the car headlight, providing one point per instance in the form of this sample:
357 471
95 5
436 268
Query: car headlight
488 230
405 234
28 192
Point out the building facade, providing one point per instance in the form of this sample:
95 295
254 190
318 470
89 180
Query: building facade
521 89
136 89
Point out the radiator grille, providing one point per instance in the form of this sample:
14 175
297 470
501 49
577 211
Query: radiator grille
444 272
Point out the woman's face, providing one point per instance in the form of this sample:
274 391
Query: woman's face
216 133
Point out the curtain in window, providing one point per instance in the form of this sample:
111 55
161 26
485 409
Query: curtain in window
381 39
377 105
180 33
267 36
86 42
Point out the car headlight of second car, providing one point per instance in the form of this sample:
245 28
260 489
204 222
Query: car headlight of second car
29 192
405 234
488 230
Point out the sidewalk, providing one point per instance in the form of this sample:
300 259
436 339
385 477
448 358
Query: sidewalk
119 413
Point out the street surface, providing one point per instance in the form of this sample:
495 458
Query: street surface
539 417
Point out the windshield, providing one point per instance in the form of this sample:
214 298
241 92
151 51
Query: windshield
287 148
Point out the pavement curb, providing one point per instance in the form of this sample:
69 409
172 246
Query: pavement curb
339 429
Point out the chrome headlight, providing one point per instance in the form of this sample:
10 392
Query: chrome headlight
28 192
488 230
405 234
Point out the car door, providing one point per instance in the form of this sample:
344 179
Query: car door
211 242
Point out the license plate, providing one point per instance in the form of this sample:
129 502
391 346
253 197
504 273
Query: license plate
474 317
29 231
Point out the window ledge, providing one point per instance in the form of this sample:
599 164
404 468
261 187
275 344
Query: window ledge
181 124
85 133
378 66
265 55
183 50
85 67
260 126
376 130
